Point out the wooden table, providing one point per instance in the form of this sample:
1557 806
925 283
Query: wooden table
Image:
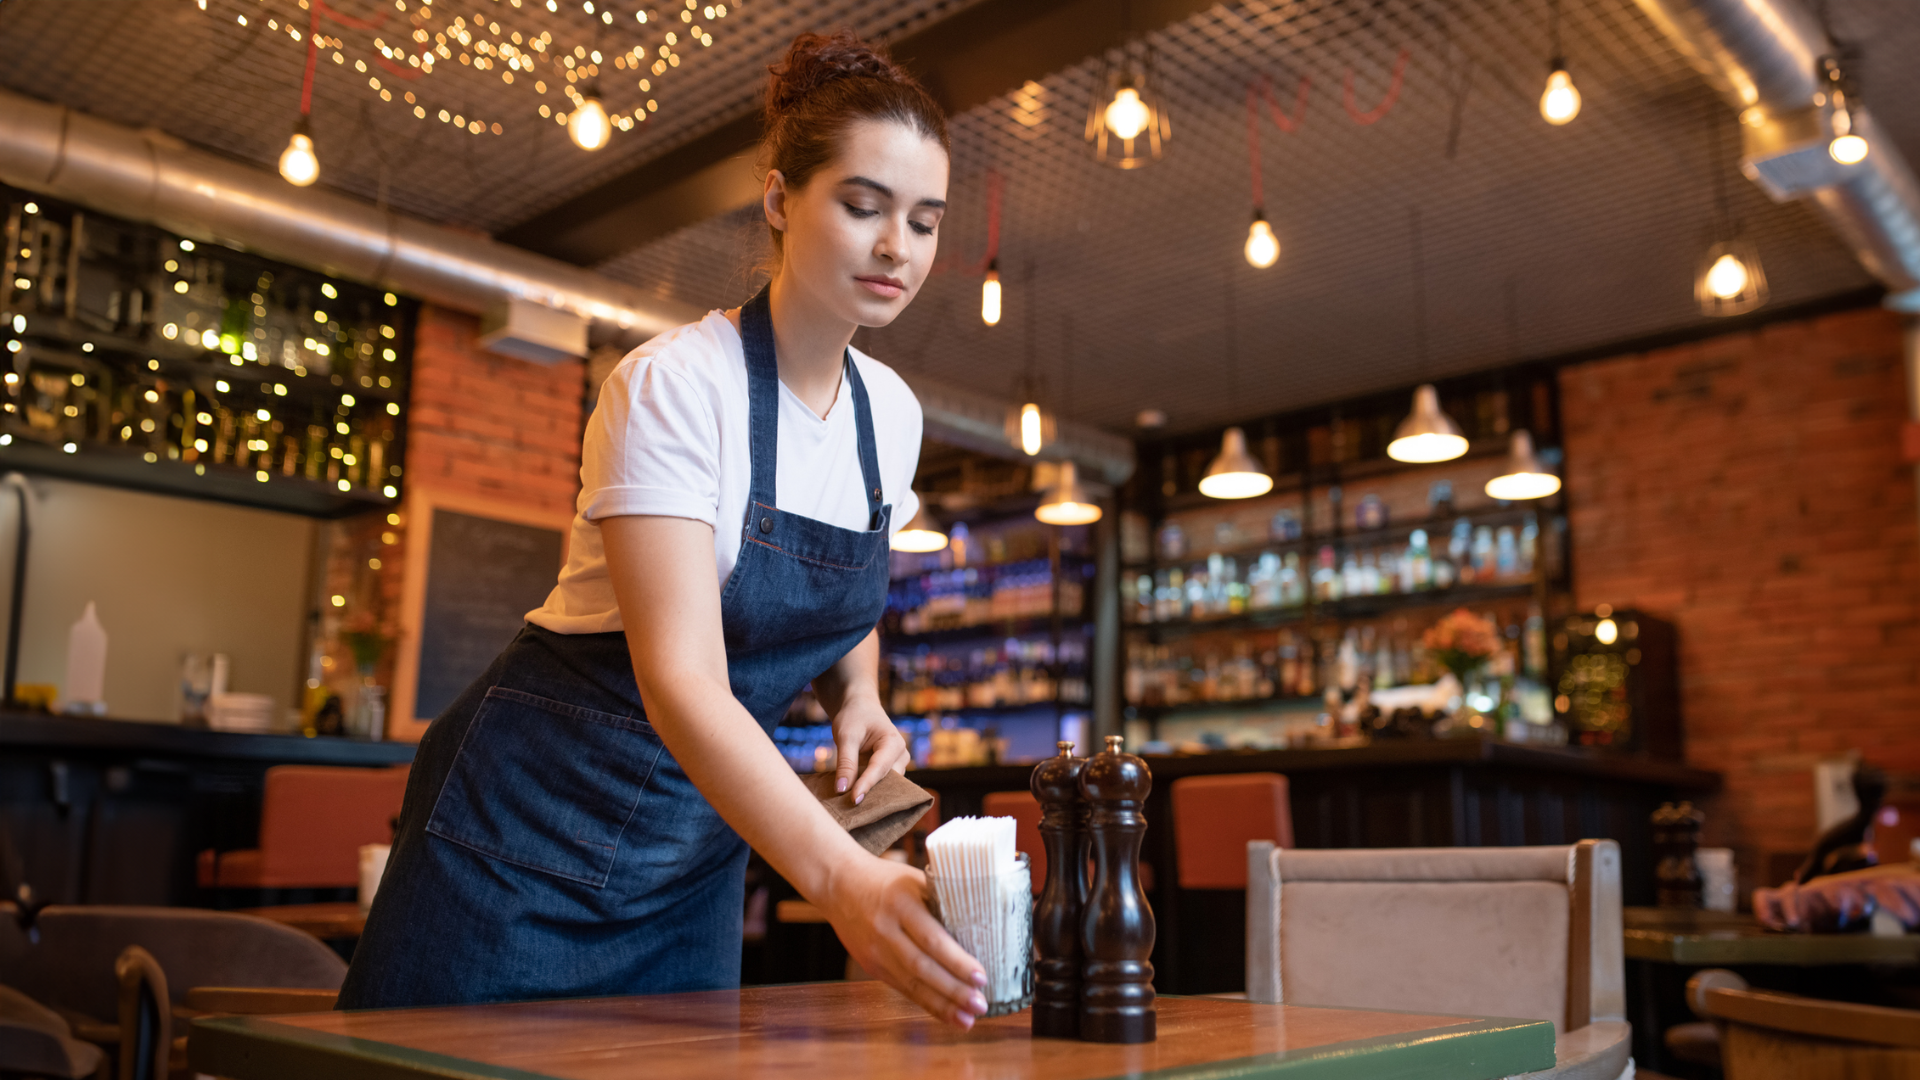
341 919
1715 939
837 1030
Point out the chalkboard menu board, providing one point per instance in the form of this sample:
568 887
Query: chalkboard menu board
482 576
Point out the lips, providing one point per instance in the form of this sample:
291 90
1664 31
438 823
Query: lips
882 286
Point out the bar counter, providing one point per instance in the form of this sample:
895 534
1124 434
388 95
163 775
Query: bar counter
114 811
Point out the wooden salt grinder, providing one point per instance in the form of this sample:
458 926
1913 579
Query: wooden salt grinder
1056 919
1116 936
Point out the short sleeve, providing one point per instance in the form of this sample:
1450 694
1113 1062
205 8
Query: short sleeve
652 447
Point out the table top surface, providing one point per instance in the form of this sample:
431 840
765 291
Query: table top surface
837 1030
1708 938
333 919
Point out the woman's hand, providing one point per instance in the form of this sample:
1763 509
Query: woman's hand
879 909
862 730
1836 900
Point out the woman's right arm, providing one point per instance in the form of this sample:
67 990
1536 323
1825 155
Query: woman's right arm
663 578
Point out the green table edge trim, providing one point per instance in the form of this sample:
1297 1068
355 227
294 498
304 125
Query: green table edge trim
286 1052
1472 1050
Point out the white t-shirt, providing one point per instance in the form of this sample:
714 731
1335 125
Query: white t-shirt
669 437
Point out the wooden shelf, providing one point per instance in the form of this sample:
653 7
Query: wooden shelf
1353 607
118 467
1436 527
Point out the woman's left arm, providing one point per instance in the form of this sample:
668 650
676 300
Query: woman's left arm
850 692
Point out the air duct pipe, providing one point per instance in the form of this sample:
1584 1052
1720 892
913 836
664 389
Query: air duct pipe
1764 57
151 177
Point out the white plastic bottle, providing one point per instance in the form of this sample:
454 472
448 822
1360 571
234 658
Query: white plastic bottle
87 665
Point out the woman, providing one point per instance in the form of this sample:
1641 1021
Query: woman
573 826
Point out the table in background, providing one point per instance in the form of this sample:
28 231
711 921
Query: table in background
1666 945
329 921
836 1030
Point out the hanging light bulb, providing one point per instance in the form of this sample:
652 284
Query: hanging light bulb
1730 280
1263 248
1525 477
990 295
299 165
922 534
1560 102
1127 115
1847 147
1031 429
1067 503
1427 434
1235 474
589 127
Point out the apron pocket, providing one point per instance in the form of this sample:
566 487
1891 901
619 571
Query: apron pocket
546 785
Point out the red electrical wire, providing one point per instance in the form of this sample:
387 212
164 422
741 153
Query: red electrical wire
313 54
994 184
1386 103
1288 124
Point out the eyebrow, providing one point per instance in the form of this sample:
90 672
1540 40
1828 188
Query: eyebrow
937 204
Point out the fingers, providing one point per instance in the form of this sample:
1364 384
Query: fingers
939 946
886 751
848 746
1900 898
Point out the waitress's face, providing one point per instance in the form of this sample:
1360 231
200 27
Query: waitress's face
860 238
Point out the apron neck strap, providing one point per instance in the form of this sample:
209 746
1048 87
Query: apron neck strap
763 410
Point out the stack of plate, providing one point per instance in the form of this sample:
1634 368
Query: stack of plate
240 712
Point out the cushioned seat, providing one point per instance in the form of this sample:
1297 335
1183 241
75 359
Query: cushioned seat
1528 933
34 1040
313 820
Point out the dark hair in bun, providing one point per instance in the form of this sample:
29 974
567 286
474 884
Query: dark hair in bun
826 82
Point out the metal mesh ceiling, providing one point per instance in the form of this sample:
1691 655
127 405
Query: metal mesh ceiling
205 77
1536 240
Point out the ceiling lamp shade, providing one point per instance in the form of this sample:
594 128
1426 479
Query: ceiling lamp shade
1067 503
1235 474
1427 434
1730 280
589 127
1525 477
922 534
299 165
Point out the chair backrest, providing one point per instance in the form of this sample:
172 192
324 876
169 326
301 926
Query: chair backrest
314 818
72 966
1024 809
1215 817
1532 933
1764 1034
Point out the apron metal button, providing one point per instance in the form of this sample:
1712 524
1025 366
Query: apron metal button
766 524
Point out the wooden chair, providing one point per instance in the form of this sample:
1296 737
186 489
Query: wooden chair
1766 1035
1024 809
1531 933
313 820
36 1041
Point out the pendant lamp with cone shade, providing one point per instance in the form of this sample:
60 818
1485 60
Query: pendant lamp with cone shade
922 534
1525 477
1067 503
1427 434
1235 474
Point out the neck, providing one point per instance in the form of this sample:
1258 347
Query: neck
808 343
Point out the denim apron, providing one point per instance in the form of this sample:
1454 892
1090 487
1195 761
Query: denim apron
549 845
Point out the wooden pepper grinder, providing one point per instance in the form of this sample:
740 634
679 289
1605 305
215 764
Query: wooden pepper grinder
1116 936
1056 919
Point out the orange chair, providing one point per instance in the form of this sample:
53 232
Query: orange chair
1215 816
1024 809
313 820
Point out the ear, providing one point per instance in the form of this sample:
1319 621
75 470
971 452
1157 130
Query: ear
773 199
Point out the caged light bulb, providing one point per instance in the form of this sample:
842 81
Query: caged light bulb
1127 115
1727 277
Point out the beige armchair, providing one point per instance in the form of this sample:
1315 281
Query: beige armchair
1531 933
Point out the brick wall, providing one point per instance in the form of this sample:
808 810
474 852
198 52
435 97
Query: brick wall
479 424
1751 488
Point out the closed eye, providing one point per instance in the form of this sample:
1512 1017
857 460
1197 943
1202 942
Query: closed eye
857 211
923 230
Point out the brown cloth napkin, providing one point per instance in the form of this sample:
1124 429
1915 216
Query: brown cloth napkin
885 815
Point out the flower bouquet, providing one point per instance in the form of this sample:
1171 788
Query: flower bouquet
1462 642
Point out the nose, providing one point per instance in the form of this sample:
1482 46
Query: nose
892 242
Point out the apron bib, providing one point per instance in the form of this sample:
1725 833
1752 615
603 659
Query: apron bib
549 845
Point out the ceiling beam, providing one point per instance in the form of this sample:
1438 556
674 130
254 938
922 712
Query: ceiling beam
978 53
